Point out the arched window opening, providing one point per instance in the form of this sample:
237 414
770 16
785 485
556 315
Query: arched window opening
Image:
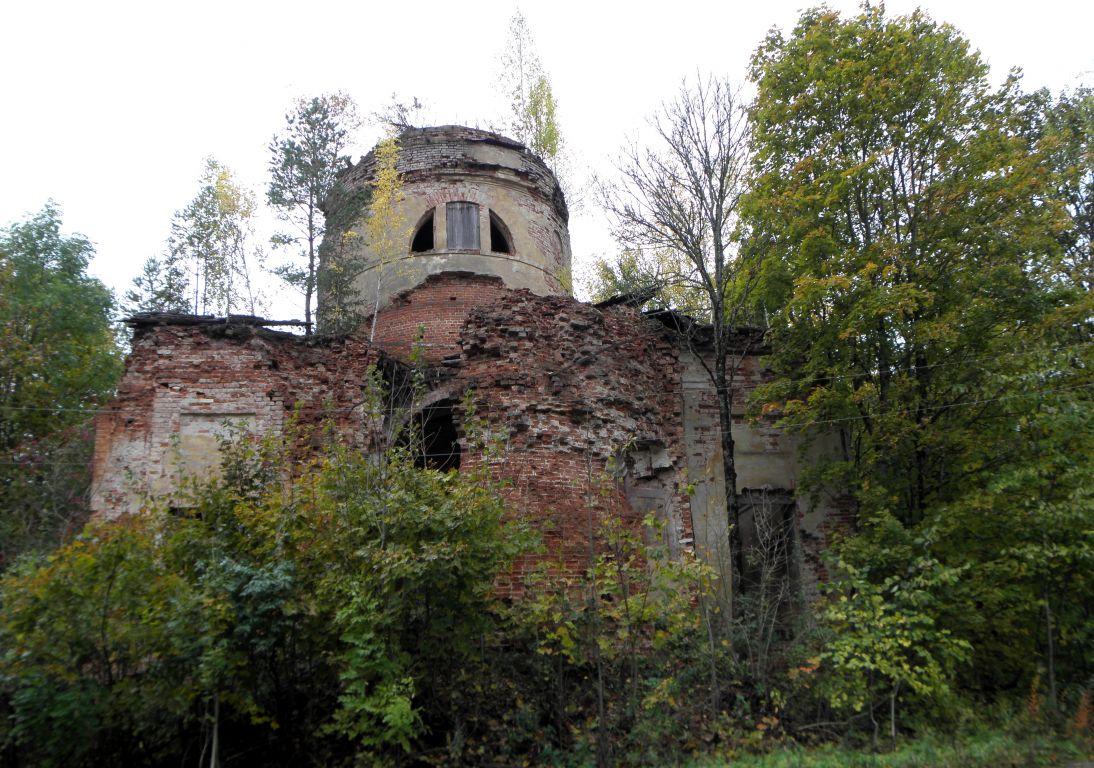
423 237
462 226
433 438
500 242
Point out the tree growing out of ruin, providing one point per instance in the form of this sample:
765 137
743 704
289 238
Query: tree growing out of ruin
211 239
304 164
160 287
675 207
400 113
342 262
532 118
520 69
386 229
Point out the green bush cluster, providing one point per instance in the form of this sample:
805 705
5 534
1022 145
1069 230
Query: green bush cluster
275 616
345 610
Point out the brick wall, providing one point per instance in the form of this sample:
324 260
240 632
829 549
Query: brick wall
766 459
439 306
182 381
574 388
440 149
604 413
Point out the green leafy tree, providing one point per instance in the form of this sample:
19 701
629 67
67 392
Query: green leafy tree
211 238
412 595
923 311
886 640
342 307
58 362
91 642
326 610
1023 532
901 204
304 164
1068 133
544 136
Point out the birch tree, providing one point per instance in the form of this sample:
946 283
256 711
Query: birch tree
385 224
533 109
212 239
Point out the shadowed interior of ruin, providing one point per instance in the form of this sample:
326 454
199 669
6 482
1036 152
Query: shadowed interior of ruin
423 238
434 439
499 240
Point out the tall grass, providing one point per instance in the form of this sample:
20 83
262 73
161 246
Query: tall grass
979 749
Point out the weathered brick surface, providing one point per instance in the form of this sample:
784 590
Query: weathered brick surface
606 414
436 310
180 376
766 459
433 151
576 390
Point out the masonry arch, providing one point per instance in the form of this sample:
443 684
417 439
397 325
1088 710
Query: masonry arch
424 240
501 240
431 432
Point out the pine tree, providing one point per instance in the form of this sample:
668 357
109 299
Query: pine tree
304 163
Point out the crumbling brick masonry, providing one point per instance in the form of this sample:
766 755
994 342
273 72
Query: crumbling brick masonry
604 412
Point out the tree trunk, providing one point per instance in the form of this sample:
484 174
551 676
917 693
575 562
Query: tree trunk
309 279
309 288
214 752
1050 654
729 470
892 713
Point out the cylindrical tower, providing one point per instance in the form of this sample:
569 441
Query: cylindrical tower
473 202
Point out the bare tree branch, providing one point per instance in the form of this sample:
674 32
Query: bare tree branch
677 205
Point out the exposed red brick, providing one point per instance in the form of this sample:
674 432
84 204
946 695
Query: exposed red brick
435 312
575 390
590 401
177 371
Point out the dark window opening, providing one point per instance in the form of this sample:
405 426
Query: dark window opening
499 236
434 439
462 226
769 541
423 238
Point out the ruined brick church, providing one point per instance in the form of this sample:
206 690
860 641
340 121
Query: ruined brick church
571 387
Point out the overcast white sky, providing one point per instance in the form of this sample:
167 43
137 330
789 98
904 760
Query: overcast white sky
109 108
